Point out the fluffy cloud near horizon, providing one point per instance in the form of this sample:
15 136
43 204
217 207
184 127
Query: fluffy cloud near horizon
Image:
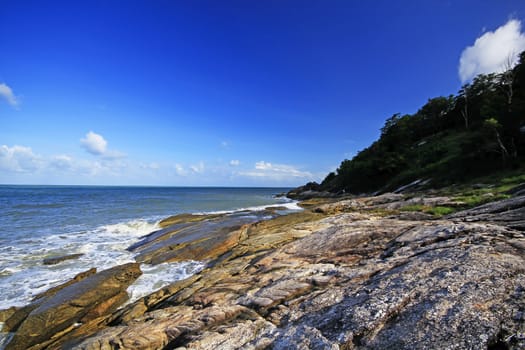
7 94
97 145
22 165
94 143
62 162
18 159
492 50
276 172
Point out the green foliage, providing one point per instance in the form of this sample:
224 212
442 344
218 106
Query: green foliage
449 140
475 199
413 207
514 180
492 123
441 211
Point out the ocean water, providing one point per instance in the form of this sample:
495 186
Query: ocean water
38 222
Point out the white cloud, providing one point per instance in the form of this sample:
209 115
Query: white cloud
7 94
94 143
234 162
114 155
102 168
491 51
18 159
276 172
62 162
262 165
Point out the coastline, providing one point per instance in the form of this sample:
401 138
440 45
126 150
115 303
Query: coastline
49 234
343 273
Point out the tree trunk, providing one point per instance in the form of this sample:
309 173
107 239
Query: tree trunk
503 149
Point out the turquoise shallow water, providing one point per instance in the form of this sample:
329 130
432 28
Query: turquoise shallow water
100 222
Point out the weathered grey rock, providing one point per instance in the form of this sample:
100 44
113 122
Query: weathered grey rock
518 190
80 302
424 201
412 186
58 259
509 212
387 201
308 191
433 285
165 328
411 215
362 203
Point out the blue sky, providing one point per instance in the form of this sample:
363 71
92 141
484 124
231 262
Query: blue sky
226 93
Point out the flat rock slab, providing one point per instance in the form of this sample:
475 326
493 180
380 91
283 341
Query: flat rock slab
79 302
509 212
201 239
58 259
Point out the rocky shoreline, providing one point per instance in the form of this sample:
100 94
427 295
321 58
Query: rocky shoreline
354 273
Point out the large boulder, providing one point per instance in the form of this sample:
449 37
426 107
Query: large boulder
54 315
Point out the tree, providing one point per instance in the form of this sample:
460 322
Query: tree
464 95
432 115
507 79
449 139
494 125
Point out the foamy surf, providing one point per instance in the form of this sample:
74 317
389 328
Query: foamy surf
98 224
103 247
284 207
155 277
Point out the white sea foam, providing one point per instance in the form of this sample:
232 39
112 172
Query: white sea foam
155 277
136 228
288 205
22 266
23 274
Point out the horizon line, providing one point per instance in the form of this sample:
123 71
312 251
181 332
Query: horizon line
151 186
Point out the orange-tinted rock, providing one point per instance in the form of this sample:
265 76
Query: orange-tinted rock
203 240
81 301
16 318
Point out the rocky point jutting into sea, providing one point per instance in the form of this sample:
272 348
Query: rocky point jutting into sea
346 273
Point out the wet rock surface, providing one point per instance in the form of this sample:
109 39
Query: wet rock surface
58 259
340 275
206 239
54 314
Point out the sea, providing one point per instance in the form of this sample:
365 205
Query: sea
39 222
